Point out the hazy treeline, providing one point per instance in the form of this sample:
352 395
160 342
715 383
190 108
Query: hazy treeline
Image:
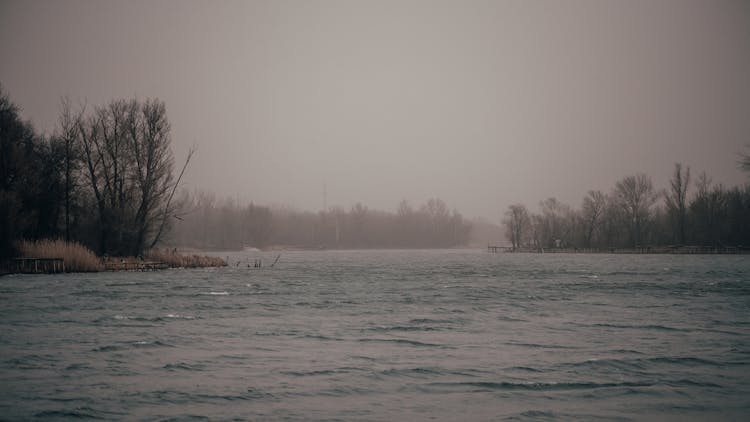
208 222
104 178
635 214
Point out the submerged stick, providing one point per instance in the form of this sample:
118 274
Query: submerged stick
276 260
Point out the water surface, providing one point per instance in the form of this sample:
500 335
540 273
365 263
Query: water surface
384 336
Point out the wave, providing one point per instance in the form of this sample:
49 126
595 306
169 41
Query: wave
546 415
83 412
182 397
167 317
541 346
322 372
692 383
536 415
510 319
538 386
130 345
642 366
178 316
686 361
407 328
432 321
183 366
525 369
637 273
420 372
77 366
399 341
30 361
345 391
643 327
627 351
320 337
621 365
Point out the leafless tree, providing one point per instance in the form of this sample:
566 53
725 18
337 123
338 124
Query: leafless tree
592 212
516 221
676 199
745 160
127 153
708 210
636 196
67 133
555 223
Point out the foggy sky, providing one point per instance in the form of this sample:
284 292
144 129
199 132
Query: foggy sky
481 103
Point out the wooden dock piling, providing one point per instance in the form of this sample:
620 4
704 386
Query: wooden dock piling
37 265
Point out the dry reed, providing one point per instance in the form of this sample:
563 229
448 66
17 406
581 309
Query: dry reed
176 260
77 258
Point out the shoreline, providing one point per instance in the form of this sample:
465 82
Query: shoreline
646 250
155 261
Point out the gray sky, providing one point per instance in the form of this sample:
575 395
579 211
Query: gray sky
481 103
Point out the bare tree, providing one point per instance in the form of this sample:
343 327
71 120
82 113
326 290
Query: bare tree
127 153
592 211
676 198
104 147
635 194
708 210
745 160
516 221
67 133
358 218
438 217
556 224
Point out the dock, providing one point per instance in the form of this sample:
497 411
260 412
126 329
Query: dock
35 265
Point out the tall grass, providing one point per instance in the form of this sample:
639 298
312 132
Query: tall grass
77 257
176 260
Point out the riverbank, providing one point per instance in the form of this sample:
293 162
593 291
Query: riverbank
58 256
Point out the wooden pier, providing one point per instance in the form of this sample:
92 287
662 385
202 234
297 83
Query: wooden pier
36 265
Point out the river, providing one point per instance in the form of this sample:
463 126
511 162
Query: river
384 336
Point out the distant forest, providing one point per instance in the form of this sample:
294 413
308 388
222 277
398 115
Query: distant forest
225 224
106 178
634 214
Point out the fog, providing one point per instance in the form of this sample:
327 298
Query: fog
480 103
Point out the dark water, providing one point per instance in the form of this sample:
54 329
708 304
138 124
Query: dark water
385 336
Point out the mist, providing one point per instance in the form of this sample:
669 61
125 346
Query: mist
333 103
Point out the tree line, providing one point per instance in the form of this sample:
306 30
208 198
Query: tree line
208 222
635 214
104 178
